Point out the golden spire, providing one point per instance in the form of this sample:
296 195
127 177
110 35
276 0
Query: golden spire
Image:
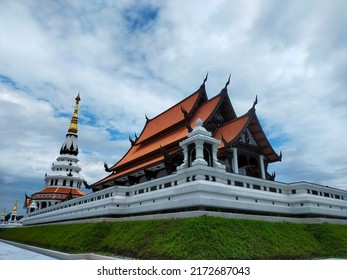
15 206
73 125
3 214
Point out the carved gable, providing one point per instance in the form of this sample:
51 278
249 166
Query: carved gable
247 138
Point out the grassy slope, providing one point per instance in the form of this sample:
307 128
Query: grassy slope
193 238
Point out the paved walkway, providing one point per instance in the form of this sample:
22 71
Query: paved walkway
11 252
16 251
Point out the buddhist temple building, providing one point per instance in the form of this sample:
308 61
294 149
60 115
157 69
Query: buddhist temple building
198 157
243 149
64 182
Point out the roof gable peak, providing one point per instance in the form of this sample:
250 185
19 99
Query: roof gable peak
225 89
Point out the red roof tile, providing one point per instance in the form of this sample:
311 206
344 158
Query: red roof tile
205 110
150 153
60 190
174 136
232 129
146 164
168 118
137 152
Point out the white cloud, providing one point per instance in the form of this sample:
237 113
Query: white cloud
293 55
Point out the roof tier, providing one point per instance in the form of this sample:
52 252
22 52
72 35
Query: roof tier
231 132
50 192
171 117
144 155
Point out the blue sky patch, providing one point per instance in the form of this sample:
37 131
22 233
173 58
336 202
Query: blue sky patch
63 115
9 82
116 135
86 118
139 18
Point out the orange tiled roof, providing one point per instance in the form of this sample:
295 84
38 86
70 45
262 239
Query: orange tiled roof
174 136
232 129
146 164
60 190
205 110
150 153
168 118
137 152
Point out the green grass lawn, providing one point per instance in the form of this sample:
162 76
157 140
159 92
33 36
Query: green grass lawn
192 238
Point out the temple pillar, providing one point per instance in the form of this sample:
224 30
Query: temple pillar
235 161
262 167
199 149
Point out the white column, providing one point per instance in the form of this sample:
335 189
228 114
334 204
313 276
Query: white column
262 166
199 150
235 161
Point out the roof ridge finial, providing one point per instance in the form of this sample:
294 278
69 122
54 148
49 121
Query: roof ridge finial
74 120
202 87
255 101
205 78
228 82
224 90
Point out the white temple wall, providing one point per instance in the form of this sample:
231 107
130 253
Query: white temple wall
219 190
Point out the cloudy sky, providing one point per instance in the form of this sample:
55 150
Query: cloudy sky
129 59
